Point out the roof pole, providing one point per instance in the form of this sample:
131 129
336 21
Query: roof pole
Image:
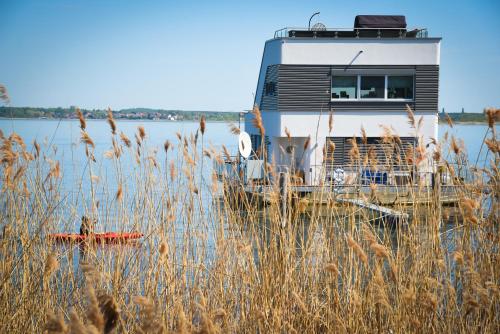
313 15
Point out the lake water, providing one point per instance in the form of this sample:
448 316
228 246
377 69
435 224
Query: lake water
65 137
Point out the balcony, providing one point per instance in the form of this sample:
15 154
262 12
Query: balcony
372 33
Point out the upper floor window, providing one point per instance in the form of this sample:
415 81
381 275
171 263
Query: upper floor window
400 87
373 87
344 87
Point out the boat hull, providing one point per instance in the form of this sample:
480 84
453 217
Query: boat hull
109 237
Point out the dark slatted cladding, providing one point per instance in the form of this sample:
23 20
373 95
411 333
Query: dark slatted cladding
307 88
385 154
426 88
270 95
304 88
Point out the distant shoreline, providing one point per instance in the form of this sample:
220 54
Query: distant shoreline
441 122
116 120
122 114
464 122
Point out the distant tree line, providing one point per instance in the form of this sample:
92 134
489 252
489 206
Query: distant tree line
162 114
463 117
132 113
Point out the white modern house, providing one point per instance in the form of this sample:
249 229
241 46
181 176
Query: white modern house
365 76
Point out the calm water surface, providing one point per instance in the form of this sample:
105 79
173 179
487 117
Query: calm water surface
65 137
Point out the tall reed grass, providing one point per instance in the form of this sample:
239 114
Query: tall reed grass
206 265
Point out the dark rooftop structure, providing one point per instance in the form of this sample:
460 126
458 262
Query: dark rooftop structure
365 26
380 21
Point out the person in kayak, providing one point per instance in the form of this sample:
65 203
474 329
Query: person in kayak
87 226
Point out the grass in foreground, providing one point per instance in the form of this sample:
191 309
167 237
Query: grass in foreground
207 267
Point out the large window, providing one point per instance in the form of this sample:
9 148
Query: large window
372 87
270 88
344 87
400 87
363 87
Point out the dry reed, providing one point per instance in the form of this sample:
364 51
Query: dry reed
227 264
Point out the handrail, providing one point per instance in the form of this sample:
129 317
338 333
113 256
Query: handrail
403 32
235 168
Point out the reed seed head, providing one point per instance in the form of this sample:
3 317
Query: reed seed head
142 132
55 324
4 96
448 120
491 116
163 249
411 116
307 143
234 129
166 146
257 120
454 146
119 193
51 265
364 138
332 268
203 124
379 250
357 249
111 121
125 140
83 124
85 138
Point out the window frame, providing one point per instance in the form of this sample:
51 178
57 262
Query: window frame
399 99
358 89
375 99
344 99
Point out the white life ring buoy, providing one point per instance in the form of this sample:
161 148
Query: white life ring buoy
338 176
244 144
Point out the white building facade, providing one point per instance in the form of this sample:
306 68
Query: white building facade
364 82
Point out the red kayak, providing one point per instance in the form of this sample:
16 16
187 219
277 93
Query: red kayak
108 237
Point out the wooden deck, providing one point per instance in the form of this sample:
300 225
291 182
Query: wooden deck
383 211
384 195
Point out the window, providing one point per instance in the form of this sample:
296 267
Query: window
372 87
376 87
400 87
270 88
344 87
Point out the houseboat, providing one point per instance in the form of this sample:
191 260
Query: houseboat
364 78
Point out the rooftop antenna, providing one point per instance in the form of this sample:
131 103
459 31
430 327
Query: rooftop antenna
313 15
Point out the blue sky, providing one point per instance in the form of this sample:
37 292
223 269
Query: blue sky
205 55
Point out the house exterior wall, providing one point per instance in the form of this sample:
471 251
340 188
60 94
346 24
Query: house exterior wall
270 56
346 124
397 51
342 51
308 87
269 102
302 70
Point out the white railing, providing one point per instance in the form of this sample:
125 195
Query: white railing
353 32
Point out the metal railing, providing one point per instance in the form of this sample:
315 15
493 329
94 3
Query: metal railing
239 170
293 32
